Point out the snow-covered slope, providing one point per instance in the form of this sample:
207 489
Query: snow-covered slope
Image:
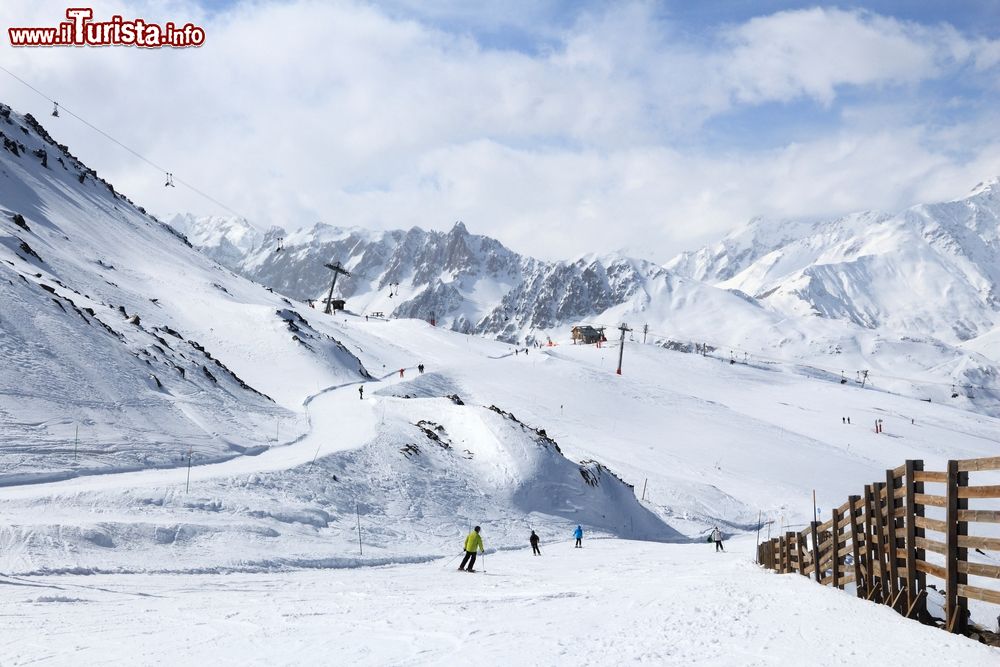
613 602
126 349
115 329
115 324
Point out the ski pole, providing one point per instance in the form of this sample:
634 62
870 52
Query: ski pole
454 559
484 562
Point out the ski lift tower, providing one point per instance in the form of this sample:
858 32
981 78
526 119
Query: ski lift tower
337 270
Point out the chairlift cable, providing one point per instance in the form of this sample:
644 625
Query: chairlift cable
124 146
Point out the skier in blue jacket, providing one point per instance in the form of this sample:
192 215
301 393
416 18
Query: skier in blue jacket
578 534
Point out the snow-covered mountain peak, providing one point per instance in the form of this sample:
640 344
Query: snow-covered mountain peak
988 187
930 269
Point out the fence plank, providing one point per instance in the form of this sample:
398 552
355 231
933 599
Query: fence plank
931 524
989 543
969 465
984 594
927 499
991 491
932 545
979 569
930 476
932 569
979 516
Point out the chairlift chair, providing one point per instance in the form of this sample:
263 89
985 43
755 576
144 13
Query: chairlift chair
170 181
55 109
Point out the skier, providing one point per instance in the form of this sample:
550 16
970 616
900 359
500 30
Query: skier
401 372
361 392
717 538
843 420
534 544
578 534
421 368
473 541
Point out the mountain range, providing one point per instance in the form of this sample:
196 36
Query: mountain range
911 296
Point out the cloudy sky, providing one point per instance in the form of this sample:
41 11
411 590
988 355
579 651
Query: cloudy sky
559 127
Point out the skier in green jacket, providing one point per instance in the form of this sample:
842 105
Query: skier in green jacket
473 542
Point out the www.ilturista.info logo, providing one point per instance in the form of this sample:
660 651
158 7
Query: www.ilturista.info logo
81 30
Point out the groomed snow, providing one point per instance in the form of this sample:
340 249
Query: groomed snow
612 602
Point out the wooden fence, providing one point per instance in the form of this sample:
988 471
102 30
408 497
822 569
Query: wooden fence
900 532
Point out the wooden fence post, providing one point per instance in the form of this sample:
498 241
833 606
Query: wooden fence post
955 605
871 553
911 535
815 551
836 547
892 541
800 555
860 582
789 537
963 555
879 544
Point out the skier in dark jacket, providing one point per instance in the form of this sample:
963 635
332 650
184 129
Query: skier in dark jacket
361 392
534 544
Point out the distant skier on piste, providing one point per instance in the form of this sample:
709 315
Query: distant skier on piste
717 538
473 543
534 544
578 534
361 392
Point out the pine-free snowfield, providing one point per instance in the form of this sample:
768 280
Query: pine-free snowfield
612 602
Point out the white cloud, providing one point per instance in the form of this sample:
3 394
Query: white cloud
305 110
812 52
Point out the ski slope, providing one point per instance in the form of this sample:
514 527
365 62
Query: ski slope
612 602
161 359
